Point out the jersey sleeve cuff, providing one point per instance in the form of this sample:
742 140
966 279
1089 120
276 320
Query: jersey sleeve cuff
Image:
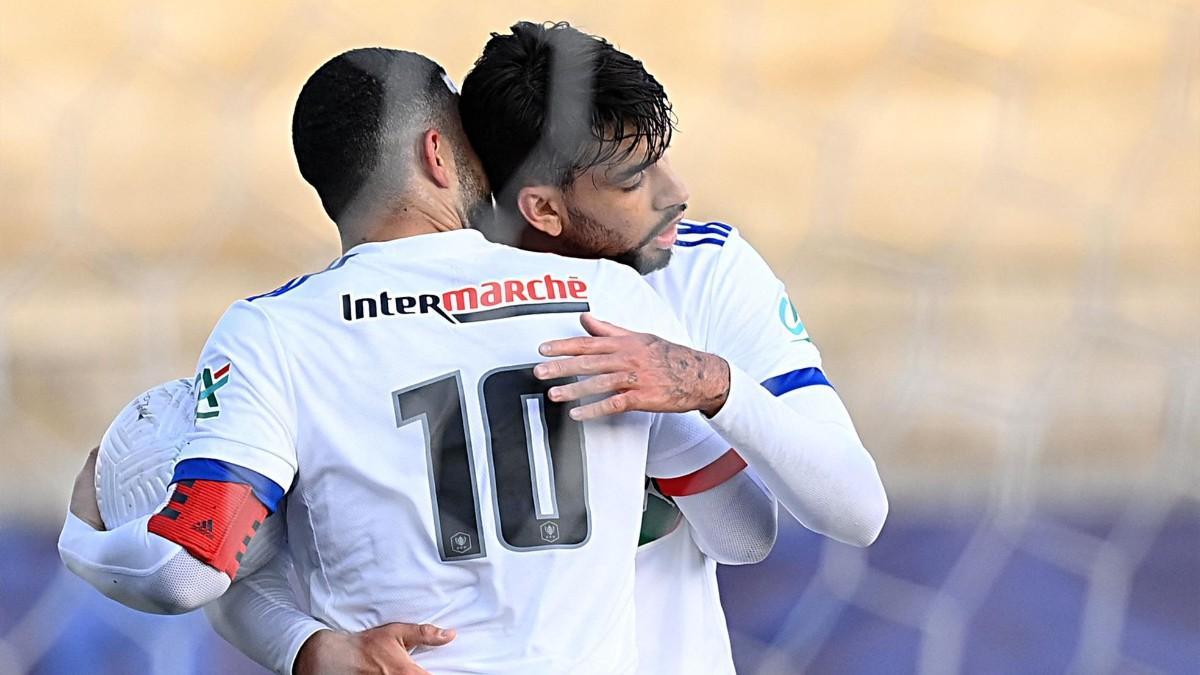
301 635
270 465
744 395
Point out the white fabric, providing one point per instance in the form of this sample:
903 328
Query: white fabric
138 569
312 390
734 523
681 626
807 456
260 617
733 305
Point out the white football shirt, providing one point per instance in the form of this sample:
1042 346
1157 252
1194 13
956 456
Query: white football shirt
429 478
734 306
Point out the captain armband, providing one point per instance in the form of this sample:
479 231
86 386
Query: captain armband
214 521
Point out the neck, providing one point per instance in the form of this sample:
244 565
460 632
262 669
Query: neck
505 228
410 220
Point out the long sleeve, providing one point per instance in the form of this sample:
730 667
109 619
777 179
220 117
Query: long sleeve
139 569
260 616
807 452
735 522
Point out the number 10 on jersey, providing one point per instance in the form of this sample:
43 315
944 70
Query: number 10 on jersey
536 461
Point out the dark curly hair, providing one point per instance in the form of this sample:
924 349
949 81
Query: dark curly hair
546 102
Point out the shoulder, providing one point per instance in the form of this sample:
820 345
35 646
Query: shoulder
702 250
715 249
703 243
619 290
262 300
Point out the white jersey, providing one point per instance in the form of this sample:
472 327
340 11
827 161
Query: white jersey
735 307
428 477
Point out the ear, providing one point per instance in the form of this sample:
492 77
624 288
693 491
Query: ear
543 208
435 158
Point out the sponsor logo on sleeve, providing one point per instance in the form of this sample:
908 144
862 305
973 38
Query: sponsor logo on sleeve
208 383
790 319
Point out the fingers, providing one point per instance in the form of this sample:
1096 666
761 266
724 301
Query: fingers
612 405
577 365
89 464
592 386
433 636
383 649
603 341
577 346
83 494
414 635
600 328
87 473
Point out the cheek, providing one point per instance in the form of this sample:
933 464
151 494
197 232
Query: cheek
622 217
637 216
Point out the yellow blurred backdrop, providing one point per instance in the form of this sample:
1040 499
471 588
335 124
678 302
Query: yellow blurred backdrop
987 211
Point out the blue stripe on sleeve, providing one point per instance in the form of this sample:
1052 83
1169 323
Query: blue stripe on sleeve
264 488
702 229
711 223
336 264
281 290
797 379
698 242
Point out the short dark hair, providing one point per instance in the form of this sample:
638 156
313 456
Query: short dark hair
547 102
355 119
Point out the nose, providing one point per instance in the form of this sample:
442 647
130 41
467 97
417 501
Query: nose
674 192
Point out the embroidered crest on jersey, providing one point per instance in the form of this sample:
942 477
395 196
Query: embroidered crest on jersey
208 382
485 302
790 319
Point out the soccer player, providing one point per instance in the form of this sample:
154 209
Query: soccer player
393 398
779 410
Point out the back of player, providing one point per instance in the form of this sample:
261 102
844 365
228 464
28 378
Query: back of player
430 478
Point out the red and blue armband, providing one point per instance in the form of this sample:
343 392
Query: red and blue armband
214 510
725 467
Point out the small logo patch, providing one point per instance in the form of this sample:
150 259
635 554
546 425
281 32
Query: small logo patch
208 381
460 542
790 318
204 527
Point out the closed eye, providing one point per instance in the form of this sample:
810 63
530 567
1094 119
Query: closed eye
636 184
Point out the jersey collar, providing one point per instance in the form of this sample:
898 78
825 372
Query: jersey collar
434 243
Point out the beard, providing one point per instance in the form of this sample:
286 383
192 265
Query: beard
475 199
588 237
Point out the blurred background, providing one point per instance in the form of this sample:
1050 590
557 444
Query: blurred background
987 212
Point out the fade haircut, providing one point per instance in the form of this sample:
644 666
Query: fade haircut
546 102
358 121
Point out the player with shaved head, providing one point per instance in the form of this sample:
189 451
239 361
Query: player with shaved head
429 475
573 134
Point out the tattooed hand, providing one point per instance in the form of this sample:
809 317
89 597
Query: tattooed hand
640 371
